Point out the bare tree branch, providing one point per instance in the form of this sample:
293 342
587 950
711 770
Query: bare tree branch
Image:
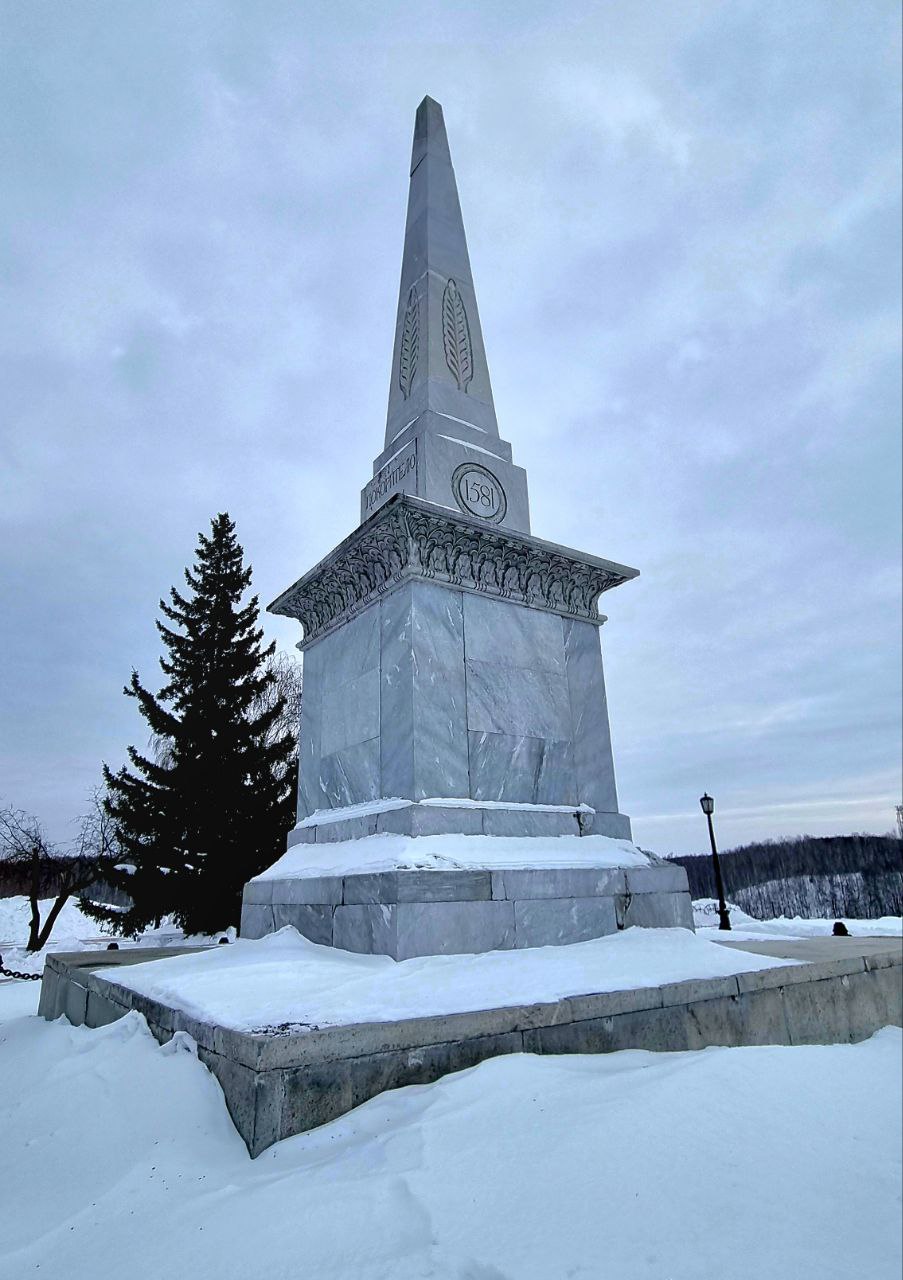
72 867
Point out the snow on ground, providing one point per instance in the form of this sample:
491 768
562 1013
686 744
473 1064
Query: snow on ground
18 1000
284 978
391 852
15 914
705 917
118 1159
74 931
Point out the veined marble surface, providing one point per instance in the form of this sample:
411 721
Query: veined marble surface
433 691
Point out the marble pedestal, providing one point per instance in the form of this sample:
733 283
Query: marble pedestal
456 668
453 681
453 685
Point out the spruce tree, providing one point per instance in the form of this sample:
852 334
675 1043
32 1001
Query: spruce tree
212 809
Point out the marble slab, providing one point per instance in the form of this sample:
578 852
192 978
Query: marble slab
591 735
279 1081
522 769
350 712
517 700
351 775
501 632
444 911
552 922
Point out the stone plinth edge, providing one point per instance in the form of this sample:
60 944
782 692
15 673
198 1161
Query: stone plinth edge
461 911
416 818
287 1080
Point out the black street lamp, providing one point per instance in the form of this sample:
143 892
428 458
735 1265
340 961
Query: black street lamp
708 808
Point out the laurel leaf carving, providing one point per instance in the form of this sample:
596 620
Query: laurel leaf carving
410 343
456 336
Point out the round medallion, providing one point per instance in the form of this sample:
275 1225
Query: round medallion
479 493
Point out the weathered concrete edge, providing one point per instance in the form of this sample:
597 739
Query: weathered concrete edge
270 1050
831 1001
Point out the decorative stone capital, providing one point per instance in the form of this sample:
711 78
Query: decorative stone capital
409 539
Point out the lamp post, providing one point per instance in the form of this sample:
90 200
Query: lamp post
708 808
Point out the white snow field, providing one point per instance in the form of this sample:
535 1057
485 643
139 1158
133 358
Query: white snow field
15 914
118 1159
283 978
744 927
74 931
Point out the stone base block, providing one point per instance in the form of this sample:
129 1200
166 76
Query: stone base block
406 929
278 1084
452 912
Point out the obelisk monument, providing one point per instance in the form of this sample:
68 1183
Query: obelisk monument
453 680
449 656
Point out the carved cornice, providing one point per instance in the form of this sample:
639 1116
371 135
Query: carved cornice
409 538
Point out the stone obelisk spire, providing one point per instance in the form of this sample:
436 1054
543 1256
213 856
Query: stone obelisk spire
453 681
438 362
441 415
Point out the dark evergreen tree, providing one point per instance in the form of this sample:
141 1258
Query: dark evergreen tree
211 810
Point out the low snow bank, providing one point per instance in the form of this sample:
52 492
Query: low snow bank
18 1000
74 931
118 1159
401 853
15 915
285 979
705 916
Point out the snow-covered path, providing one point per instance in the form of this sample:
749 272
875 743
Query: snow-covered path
705 916
118 1159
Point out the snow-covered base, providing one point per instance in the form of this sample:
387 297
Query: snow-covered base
118 1159
285 979
74 931
747 928
401 853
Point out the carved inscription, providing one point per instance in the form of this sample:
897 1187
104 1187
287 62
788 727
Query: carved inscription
405 541
410 343
391 477
478 492
456 336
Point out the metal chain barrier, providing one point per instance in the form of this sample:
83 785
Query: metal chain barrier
16 973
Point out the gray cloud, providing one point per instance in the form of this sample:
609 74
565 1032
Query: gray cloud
683 227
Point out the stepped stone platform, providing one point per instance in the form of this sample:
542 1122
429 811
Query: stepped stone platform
280 1082
409 912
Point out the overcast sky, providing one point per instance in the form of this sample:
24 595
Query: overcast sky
683 222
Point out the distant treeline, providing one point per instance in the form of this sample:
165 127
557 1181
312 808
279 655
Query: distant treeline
818 876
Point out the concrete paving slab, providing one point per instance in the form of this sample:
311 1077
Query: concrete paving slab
814 949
